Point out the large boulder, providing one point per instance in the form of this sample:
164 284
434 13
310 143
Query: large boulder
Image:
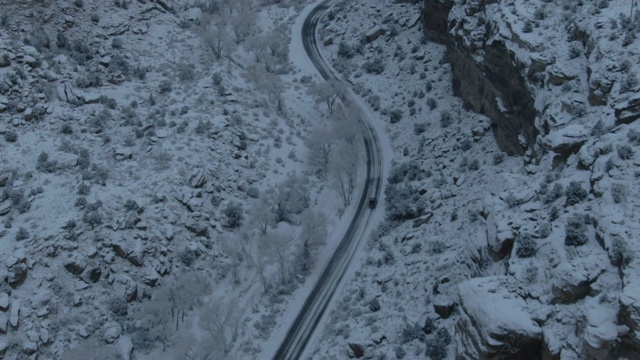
628 111
500 236
129 249
495 322
630 315
572 282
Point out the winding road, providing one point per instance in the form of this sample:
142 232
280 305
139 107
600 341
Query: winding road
316 304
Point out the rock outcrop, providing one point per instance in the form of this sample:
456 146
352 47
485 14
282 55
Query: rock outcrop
487 75
494 322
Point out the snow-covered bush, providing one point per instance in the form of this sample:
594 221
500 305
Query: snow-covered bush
429 327
526 246
619 193
576 229
165 86
395 115
375 66
544 230
409 171
410 332
445 119
66 129
633 136
437 344
119 64
574 193
234 214
465 144
117 306
116 43
186 72
625 152
374 101
619 253
419 128
345 50
10 136
498 158
92 218
402 202
474 165
22 234
187 257
83 189
374 305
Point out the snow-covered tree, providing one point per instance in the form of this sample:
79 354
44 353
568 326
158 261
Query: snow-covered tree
289 197
221 319
321 142
215 34
261 214
267 82
257 45
343 169
233 247
243 23
312 235
278 247
328 92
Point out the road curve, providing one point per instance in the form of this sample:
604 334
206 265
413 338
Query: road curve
316 304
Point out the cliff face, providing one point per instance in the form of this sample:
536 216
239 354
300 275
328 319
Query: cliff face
487 76
435 17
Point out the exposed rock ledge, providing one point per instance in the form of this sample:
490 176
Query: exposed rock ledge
494 322
491 84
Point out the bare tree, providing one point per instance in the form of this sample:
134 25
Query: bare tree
185 290
347 123
220 319
267 82
321 143
327 92
343 170
278 248
289 197
257 45
261 214
215 34
312 235
233 246
243 23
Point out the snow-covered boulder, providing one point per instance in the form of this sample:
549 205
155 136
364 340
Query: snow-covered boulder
494 322
4 301
500 236
572 281
4 322
133 251
14 315
567 140
600 333
197 178
630 313
628 111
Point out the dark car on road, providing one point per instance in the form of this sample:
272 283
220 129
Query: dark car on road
373 202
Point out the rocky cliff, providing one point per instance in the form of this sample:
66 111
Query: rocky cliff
559 84
487 75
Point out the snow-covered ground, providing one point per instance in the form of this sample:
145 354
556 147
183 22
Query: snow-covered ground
517 223
141 171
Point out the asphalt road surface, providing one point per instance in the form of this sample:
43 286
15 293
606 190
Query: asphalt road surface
316 304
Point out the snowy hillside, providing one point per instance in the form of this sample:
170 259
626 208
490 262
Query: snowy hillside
162 189
483 254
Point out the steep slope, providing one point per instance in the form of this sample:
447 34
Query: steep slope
544 264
